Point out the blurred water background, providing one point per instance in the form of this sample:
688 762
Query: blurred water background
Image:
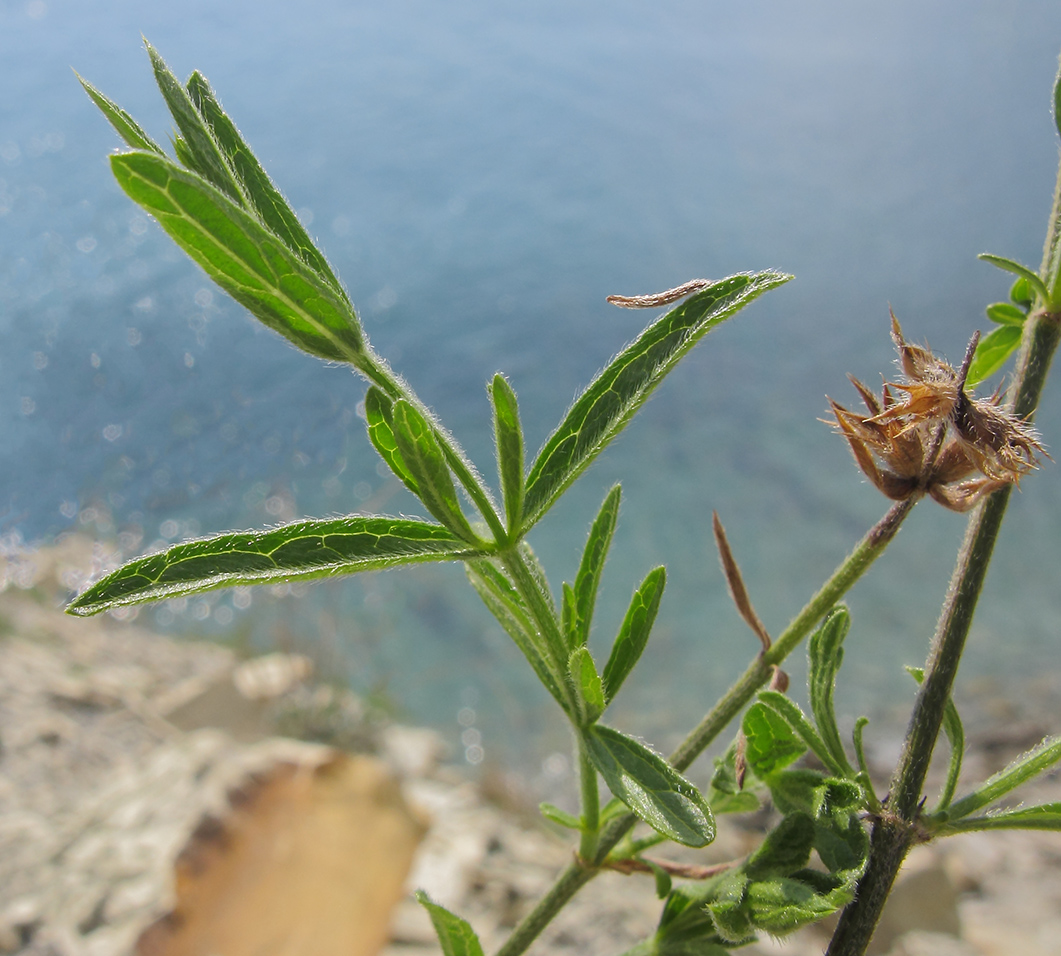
482 175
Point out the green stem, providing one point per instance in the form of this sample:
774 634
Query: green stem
577 875
896 830
590 803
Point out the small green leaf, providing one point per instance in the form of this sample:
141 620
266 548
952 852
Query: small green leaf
1057 102
809 791
1021 294
128 129
203 155
826 653
725 796
651 787
772 744
1008 265
559 817
263 197
634 633
1046 816
455 935
503 601
1024 768
992 352
615 395
585 677
952 727
783 904
299 551
423 457
379 417
790 711
1005 313
568 615
508 436
590 568
664 883
242 257
785 849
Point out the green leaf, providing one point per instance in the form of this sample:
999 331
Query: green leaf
585 677
242 257
203 155
784 904
508 436
128 129
809 791
423 457
664 883
771 742
503 601
685 927
785 849
559 817
725 796
790 711
379 417
1021 294
1005 313
590 568
992 352
262 196
1046 816
1008 265
455 935
826 653
299 551
634 633
615 395
952 727
1057 102
651 787
1024 768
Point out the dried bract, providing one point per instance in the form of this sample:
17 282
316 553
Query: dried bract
936 440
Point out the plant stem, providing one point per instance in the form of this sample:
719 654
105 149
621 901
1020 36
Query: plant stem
578 874
590 803
896 829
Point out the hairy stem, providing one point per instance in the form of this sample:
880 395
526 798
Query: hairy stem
590 803
578 874
896 830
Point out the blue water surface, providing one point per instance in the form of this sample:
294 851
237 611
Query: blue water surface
482 174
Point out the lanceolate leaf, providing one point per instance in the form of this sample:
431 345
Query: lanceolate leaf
1024 768
826 653
1047 816
379 416
587 581
509 439
305 549
585 677
634 633
992 351
955 731
202 151
1005 313
1008 265
790 711
651 787
455 935
128 128
242 257
423 457
265 199
771 743
611 400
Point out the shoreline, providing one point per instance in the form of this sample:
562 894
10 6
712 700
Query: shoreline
130 761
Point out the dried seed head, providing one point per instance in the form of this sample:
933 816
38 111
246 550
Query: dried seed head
900 445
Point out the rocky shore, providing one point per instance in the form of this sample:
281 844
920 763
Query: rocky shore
154 801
